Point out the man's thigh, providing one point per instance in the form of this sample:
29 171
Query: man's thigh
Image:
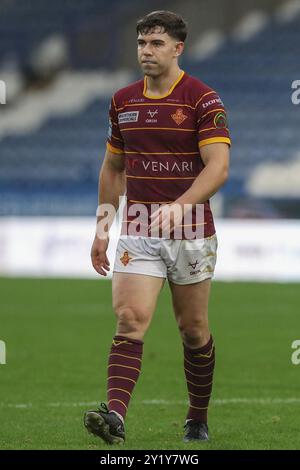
136 295
190 302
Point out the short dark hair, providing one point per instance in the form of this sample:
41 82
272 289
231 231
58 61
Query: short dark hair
171 23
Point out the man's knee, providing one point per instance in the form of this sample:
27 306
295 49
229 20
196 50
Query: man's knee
195 333
130 320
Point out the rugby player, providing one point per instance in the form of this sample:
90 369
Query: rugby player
168 146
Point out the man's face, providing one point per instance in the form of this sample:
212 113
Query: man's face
157 51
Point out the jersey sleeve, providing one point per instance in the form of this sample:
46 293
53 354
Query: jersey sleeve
114 139
212 123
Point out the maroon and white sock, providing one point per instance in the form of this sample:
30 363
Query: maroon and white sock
199 368
124 368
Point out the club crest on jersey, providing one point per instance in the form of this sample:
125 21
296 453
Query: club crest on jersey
130 116
179 117
125 258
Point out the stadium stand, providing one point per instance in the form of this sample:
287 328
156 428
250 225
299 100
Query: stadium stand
255 83
24 25
53 170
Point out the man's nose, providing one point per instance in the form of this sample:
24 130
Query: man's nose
147 50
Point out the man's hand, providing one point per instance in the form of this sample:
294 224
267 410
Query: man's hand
167 217
99 257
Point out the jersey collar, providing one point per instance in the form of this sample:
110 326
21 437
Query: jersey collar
152 97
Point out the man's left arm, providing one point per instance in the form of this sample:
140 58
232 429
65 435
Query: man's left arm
214 174
215 157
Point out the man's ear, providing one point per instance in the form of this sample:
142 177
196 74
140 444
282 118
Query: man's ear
179 48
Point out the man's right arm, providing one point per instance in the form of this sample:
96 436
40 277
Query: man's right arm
112 179
111 187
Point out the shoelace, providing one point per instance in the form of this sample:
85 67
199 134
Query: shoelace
103 408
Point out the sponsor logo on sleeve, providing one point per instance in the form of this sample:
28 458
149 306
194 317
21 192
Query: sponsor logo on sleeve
216 100
220 120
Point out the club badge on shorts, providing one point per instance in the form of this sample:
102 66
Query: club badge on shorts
125 258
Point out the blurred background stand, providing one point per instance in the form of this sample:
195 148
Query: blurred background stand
61 61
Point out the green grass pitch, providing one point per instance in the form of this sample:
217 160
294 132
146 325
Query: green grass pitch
58 334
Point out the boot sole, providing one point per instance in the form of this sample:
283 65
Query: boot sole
96 425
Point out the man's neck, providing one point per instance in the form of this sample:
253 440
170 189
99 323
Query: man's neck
160 85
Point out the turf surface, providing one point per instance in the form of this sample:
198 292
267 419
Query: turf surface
58 333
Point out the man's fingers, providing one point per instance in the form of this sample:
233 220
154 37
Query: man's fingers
100 260
105 263
100 267
96 267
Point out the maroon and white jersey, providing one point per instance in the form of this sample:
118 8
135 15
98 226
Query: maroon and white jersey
161 136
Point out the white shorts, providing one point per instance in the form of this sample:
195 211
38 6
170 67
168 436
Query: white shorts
180 261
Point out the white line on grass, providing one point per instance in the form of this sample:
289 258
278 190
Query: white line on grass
230 401
218 401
